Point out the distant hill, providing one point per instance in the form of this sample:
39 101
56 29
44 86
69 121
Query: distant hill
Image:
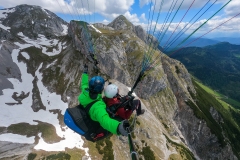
202 42
217 66
228 39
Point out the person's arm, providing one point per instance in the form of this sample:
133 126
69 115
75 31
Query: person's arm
98 113
84 81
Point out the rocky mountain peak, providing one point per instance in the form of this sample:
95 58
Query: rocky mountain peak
33 20
121 23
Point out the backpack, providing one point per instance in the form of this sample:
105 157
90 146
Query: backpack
79 120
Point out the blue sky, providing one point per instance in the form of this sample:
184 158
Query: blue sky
137 11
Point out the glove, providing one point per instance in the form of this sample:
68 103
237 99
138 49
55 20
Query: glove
85 70
122 127
130 104
125 98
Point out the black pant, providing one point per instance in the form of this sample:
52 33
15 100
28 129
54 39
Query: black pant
137 106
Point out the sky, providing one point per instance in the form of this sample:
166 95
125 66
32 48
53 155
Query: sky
143 12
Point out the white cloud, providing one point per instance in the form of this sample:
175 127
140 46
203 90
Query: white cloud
229 28
108 8
233 7
113 8
167 4
143 17
131 17
144 2
105 21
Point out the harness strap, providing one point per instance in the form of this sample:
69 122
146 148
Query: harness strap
88 107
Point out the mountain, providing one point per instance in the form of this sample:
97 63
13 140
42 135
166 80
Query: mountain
121 23
41 67
201 42
217 66
232 40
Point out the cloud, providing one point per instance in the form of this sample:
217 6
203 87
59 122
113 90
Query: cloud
131 17
144 2
59 6
114 8
107 8
143 17
105 21
166 4
232 8
212 26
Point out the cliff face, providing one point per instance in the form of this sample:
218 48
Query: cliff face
195 131
170 128
165 93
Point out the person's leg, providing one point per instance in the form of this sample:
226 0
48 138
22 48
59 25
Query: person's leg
138 107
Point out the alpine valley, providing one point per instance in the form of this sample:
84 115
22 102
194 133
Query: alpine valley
41 62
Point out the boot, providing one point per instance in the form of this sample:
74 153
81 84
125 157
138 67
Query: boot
142 112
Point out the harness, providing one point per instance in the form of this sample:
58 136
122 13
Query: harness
91 130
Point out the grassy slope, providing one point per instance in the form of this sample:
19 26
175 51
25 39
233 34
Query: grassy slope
231 116
216 66
221 98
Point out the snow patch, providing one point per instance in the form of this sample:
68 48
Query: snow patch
41 42
23 113
4 12
65 29
15 138
23 45
54 52
4 27
51 63
95 28
46 13
25 55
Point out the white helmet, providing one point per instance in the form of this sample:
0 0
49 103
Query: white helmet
111 90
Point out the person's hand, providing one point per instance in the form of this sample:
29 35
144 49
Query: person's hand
85 70
124 99
122 127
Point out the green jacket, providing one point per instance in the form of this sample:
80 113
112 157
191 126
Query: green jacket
98 110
